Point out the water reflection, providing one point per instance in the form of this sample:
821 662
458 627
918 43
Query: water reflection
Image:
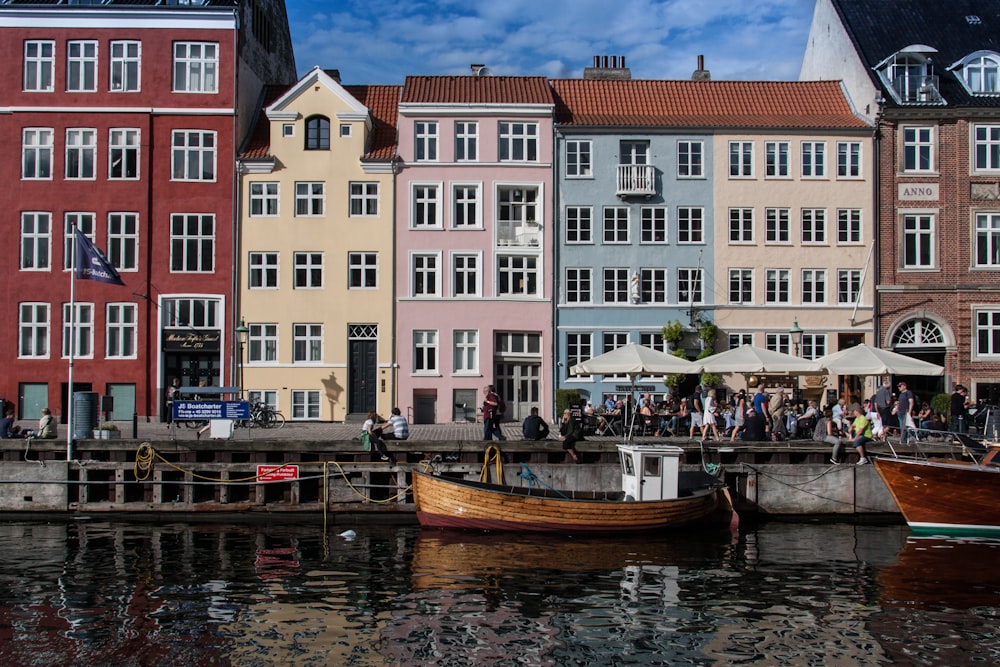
98 592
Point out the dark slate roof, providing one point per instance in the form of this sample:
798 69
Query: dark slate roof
94 4
258 142
880 28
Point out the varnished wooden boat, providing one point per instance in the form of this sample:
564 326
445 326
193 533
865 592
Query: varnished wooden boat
948 496
677 500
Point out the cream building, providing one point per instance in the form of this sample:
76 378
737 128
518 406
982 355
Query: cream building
316 255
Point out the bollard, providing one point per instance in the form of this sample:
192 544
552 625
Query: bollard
135 426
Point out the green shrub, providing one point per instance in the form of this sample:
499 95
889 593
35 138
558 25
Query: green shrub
564 399
941 403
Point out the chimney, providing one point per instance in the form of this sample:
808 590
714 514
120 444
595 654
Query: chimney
608 67
479 69
701 74
333 74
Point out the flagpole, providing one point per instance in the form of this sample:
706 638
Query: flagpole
72 347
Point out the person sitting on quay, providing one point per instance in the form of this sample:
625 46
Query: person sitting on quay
397 428
373 428
8 429
570 432
861 429
47 428
754 427
534 427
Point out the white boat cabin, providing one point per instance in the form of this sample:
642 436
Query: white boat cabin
650 472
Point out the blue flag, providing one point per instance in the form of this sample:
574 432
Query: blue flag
91 264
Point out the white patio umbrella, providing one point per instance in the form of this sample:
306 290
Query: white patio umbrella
866 360
748 359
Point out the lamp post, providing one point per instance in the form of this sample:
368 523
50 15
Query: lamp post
796 333
241 335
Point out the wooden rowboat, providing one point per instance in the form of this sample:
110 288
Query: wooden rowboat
949 496
689 499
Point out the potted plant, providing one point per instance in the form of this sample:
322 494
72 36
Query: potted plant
107 431
673 334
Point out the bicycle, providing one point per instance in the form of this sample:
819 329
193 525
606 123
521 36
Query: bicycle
263 416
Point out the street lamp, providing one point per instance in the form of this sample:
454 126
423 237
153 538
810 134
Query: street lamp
796 333
241 335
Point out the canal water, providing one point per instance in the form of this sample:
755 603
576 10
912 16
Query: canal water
98 592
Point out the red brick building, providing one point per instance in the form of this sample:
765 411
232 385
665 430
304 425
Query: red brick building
123 119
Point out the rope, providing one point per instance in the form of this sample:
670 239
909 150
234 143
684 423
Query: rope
492 455
531 478
710 468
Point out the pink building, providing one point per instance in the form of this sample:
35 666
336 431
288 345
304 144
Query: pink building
473 242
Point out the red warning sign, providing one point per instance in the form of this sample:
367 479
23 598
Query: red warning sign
277 473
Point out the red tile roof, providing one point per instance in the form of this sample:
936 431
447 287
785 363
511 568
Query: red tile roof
703 104
383 104
257 143
476 90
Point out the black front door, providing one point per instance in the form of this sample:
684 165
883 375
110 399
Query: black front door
362 376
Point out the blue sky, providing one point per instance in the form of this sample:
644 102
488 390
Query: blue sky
381 41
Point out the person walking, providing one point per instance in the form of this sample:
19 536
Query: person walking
905 406
708 419
695 411
960 409
491 414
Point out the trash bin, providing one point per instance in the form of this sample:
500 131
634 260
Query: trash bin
85 406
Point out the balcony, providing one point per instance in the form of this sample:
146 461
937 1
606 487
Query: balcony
636 180
517 233
918 89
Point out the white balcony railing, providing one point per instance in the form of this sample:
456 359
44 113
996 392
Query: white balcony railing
517 233
636 179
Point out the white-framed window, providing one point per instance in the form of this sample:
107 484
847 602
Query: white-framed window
191 312
425 275
739 340
690 159
652 285
918 149
579 224
848 226
426 211
988 240
264 199
579 347
83 346
465 274
425 138
690 225
345 130
317 133
307 343
986 148
262 343
86 223
310 199
196 67
616 285
814 286
123 153
33 321
776 286
268 397
121 331
36 153
39 65
612 340
578 159
288 129
307 270
262 270
579 284
982 75
918 241
126 60
813 159
192 243
776 225
305 403
465 206
848 159
689 285
81 153
518 141
813 345
81 66
813 225
848 286
193 155
987 332
466 141
741 286
36 241
616 224
741 225
740 159
425 352
653 340
123 241
364 199
362 268
465 354
653 224
517 275
776 159
778 342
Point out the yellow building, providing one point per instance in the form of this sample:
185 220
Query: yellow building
316 249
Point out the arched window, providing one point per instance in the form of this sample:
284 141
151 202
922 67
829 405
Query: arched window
982 74
317 133
918 333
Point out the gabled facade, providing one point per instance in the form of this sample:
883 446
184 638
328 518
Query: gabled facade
316 258
928 74
122 119
474 244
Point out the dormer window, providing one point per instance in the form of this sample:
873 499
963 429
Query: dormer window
908 75
979 72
